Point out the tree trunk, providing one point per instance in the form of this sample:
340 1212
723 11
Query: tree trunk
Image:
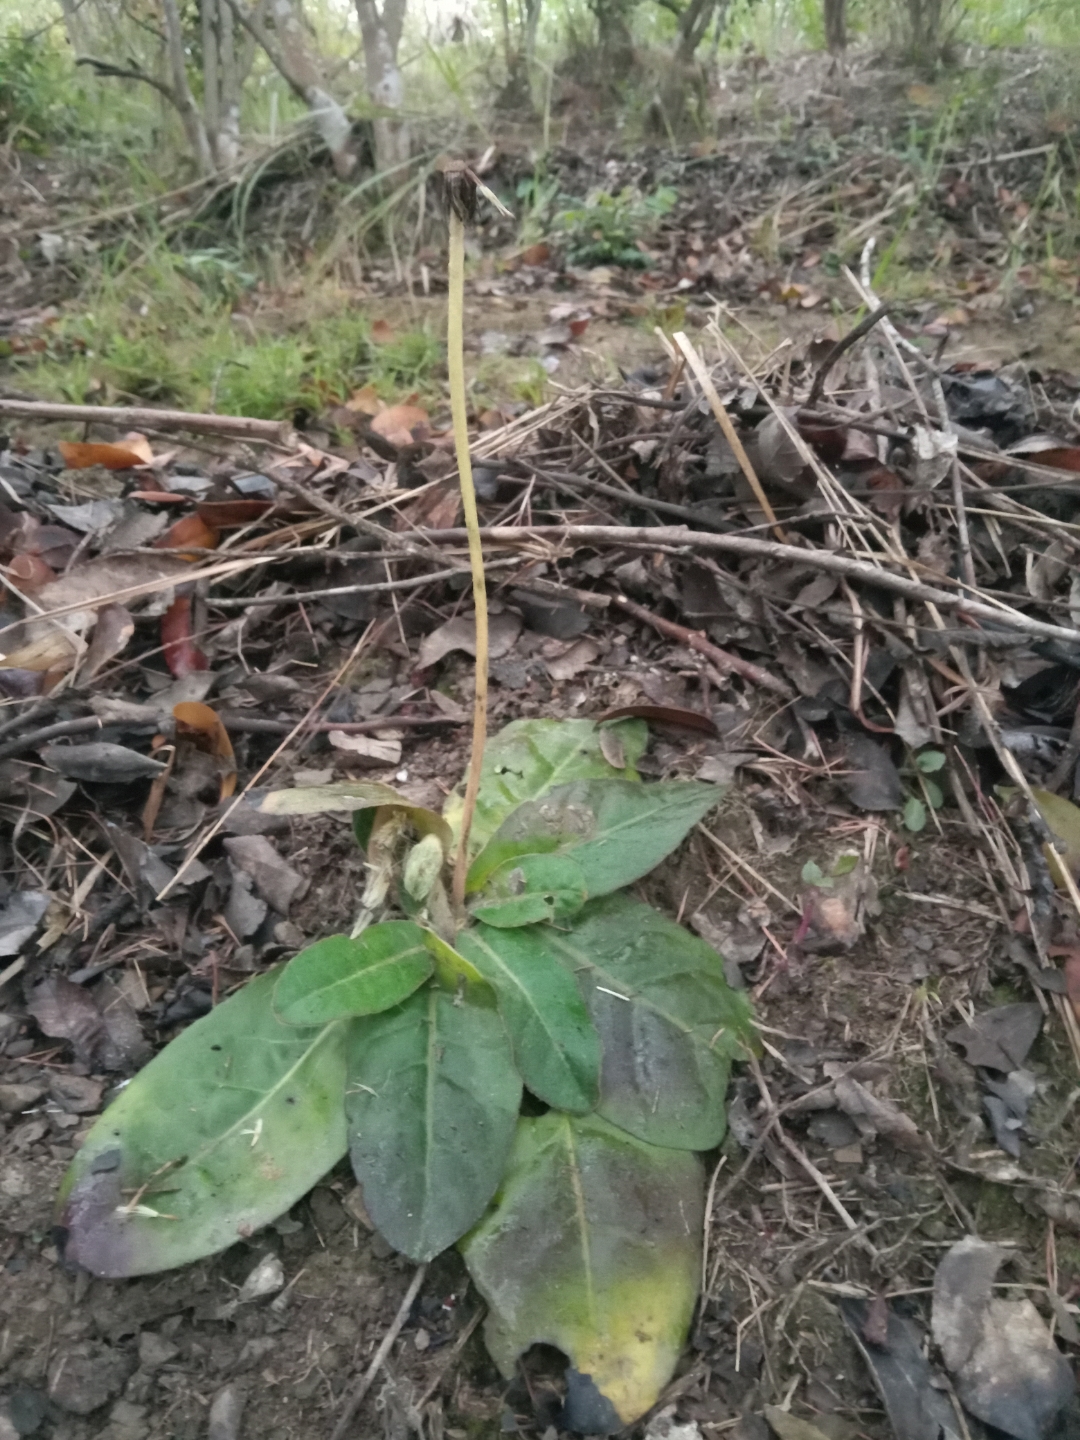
381 31
292 57
836 26
925 24
614 39
693 23
230 85
184 100
532 24
74 27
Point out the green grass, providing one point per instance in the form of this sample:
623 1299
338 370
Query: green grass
175 329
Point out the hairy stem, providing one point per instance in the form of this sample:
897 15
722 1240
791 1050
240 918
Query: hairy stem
455 361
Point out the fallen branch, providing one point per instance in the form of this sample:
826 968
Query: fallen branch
865 325
379 587
355 1397
238 723
257 725
239 427
724 660
679 538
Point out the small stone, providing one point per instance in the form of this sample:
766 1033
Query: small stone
85 1376
16 1180
848 1155
126 1422
226 1412
380 1248
16 1098
77 1094
354 1204
267 1278
289 935
155 1350
326 1211
421 1339
27 1409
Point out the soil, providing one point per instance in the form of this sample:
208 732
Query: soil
172 1357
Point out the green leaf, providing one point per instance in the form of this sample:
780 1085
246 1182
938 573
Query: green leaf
616 830
555 1045
934 798
362 823
812 874
453 972
339 976
914 814
227 1127
530 889
593 1246
528 757
844 865
669 1023
930 761
431 1103
347 797
422 867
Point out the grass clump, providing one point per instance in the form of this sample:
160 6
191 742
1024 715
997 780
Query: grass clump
606 229
35 85
194 330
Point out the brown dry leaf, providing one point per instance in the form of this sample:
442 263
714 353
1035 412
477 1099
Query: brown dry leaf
834 910
123 1046
158 785
436 509
364 401
612 747
400 423
29 573
189 530
112 632
382 332
228 514
779 461
662 715
27 644
372 748
1006 1368
538 254
874 1116
47 648
575 658
133 450
273 879
460 634
887 491
65 1011
178 646
203 725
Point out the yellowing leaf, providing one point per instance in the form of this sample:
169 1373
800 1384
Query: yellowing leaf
205 727
594 1245
80 455
1063 818
924 95
401 424
364 401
